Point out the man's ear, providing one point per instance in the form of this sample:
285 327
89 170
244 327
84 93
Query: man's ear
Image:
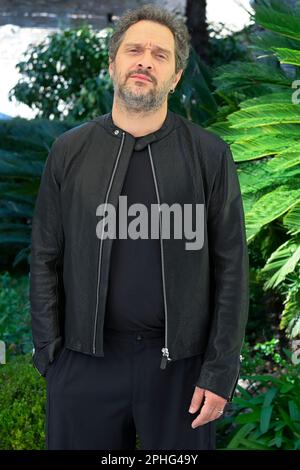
178 77
110 67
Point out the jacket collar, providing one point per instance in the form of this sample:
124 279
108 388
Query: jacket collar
140 142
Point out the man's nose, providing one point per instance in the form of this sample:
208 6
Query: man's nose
146 60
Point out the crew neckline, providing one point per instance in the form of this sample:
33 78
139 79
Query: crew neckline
142 141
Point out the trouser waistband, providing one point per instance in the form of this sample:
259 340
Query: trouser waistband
138 334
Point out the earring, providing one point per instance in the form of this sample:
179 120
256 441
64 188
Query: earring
172 90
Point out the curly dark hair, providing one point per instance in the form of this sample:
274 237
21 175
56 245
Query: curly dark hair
159 15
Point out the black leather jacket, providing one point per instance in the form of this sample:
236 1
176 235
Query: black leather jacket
205 291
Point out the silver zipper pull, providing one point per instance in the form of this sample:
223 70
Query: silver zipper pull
165 358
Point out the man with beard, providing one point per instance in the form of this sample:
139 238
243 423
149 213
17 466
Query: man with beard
146 297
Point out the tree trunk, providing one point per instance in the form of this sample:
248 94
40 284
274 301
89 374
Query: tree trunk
197 26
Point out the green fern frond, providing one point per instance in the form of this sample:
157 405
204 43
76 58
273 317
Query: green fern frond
292 220
293 329
245 74
281 97
283 261
267 41
286 159
230 134
290 319
288 56
264 115
259 147
269 207
283 23
256 178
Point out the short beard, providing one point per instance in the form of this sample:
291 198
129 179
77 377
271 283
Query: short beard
142 102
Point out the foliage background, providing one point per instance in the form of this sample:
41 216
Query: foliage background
248 96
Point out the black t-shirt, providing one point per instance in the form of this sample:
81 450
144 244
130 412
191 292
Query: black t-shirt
135 292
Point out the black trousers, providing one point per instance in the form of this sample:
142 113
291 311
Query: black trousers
102 403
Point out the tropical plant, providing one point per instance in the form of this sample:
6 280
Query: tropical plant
15 324
260 119
265 413
24 148
193 97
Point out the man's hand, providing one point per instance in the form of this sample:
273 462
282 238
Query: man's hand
212 408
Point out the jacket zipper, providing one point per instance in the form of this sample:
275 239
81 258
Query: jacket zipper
234 386
165 356
32 354
101 241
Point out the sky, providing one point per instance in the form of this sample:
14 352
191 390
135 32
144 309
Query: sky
15 40
234 13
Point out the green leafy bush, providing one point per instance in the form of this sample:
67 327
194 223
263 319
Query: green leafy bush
234 45
265 414
60 68
22 410
262 357
23 406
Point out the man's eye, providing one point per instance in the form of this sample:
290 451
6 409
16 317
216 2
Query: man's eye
159 55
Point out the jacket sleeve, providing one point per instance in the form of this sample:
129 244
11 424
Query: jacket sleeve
229 264
46 289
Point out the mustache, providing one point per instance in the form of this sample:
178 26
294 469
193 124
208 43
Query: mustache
141 73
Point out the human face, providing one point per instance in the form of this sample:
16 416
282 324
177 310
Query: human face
148 48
